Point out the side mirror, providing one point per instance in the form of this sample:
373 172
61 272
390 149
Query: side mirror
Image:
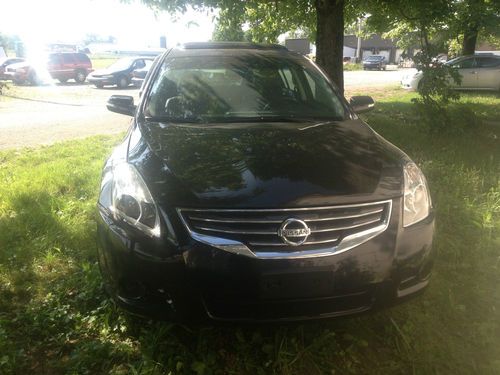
362 104
122 104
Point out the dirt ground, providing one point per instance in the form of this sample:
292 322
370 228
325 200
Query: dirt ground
43 115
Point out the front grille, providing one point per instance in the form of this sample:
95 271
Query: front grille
258 229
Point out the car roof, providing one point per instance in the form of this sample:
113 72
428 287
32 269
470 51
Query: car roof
231 49
232 45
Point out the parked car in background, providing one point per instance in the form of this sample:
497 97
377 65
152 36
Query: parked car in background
62 66
4 62
119 73
248 188
378 62
478 72
69 65
138 75
28 73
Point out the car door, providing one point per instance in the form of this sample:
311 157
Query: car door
467 70
54 65
68 65
138 64
488 72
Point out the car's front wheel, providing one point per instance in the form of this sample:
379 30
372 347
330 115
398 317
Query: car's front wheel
99 85
33 79
80 76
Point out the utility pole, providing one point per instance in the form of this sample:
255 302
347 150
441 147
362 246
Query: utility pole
358 50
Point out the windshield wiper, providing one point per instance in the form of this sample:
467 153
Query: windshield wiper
176 120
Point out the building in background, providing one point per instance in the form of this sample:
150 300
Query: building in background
373 45
485 47
300 45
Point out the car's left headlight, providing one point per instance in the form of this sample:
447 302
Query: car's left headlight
417 200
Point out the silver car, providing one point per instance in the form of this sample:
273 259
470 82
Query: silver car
478 72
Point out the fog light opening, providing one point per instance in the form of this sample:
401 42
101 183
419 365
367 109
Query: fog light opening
132 289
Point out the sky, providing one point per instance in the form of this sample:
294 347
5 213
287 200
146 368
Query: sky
133 24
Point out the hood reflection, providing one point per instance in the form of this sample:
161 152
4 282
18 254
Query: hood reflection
269 162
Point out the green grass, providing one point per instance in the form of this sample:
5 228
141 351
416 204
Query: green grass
351 67
55 318
102 62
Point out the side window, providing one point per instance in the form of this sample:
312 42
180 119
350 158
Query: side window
81 58
312 85
139 64
67 58
54 59
321 92
464 64
291 87
487 62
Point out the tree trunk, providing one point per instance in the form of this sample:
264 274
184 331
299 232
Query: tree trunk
469 43
330 39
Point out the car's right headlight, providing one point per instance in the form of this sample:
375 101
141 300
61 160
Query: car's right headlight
417 201
131 200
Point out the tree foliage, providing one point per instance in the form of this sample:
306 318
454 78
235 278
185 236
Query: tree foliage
265 20
440 22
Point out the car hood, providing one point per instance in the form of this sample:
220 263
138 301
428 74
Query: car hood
18 65
103 72
266 164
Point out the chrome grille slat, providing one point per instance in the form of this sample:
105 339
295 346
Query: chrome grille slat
250 210
235 231
346 216
319 242
345 227
229 231
284 244
236 220
273 233
263 221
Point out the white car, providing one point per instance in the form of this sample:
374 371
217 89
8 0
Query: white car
478 72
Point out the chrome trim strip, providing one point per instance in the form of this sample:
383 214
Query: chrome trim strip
235 231
250 221
256 221
239 248
295 254
345 216
284 244
321 241
344 228
269 244
281 209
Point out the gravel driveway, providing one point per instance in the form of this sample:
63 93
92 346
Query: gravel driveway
32 116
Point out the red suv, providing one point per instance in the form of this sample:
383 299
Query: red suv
61 66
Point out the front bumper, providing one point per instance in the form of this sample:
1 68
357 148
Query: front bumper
372 66
15 76
101 80
196 278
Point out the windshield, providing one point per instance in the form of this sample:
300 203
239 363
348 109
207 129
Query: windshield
374 58
121 64
241 88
